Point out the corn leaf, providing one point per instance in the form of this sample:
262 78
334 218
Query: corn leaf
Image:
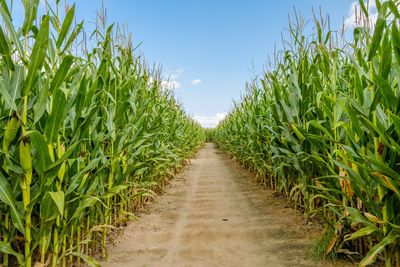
31 7
375 250
7 197
6 248
66 26
61 73
5 50
56 116
37 57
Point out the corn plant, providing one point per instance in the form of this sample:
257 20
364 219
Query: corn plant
322 127
89 134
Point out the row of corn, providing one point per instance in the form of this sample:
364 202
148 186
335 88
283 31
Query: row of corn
89 134
322 126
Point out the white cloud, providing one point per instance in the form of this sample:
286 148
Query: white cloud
170 84
173 74
196 82
210 121
355 18
170 80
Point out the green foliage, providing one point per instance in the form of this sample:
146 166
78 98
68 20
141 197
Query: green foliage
88 136
210 134
322 127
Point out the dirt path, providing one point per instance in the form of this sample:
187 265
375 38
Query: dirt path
212 216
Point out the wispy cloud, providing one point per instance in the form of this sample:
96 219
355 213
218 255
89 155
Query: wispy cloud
170 84
170 79
196 82
210 121
354 15
174 74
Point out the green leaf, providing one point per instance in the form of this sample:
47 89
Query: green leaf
382 167
37 57
396 42
387 182
56 116
42 156
7 97
375 250
115 190
87 203
3 4
31 7
66 26
58 198
376 38
63 158
356 216
5 50
48 209
61 72
40 106
364 8
6 248
7 197
87 259
386 60
80 98
72 37
396 122
384 90
394 9
76 179
12 32
52 205
17 79
362 232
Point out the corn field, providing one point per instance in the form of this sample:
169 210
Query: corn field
322 126
89 134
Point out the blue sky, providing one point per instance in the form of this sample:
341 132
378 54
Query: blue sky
209 48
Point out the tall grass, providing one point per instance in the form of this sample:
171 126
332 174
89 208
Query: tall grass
88 135
322 126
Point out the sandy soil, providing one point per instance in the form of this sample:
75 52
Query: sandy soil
211 215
